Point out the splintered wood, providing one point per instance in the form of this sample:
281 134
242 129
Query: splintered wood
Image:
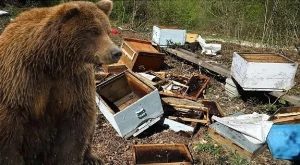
187 111
286 115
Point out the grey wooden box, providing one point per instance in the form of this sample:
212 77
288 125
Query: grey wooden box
130 105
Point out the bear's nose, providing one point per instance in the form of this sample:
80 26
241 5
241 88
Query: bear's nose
116 53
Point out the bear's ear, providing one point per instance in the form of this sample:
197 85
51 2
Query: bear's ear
106 6
70 12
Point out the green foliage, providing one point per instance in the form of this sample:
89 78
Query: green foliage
273 22
208 148
236 159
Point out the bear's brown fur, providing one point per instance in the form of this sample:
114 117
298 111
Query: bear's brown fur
47 89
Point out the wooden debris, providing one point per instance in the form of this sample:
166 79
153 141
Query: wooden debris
286 119
173 100
187 119
287 114
190 107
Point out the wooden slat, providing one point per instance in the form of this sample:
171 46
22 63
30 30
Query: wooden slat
188 119
289 98
226 73
214 68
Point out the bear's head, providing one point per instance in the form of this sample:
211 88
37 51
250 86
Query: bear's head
85 28
62 38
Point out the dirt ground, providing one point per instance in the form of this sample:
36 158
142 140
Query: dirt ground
115 150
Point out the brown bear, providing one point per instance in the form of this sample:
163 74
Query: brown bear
47 87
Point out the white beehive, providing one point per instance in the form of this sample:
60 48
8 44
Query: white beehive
263 71
130 105
168 35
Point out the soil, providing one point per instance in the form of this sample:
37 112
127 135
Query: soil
116 150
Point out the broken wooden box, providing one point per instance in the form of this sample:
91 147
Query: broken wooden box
234 140
186 115
163 154
183 87
130 105
286 115
140 55
163 36
263 71
214 108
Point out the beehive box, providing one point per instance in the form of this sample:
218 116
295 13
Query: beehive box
140 55
164 36
235 141
161 154
263 71
191 37
130 105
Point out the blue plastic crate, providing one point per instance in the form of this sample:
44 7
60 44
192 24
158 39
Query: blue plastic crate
284 141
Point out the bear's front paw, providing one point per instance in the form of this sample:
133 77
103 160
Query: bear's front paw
92 160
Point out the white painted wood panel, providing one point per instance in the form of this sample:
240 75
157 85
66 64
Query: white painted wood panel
160 36
263 76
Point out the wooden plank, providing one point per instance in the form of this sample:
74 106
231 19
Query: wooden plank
287 114
190 107
188 119
226 73
289 98
198 61
287 119
173 100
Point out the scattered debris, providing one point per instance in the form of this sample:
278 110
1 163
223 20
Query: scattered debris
140 55
177 126
183 87
164 36
209 49
130 105
115 68
4 13
150 154
231 88
263 71
234 140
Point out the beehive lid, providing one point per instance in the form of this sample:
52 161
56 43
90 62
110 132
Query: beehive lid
265 58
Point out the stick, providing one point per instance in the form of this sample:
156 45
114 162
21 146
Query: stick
187 119
287 114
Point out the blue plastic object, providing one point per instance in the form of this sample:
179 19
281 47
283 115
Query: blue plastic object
284 141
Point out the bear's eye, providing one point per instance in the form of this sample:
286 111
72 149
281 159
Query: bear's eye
95 32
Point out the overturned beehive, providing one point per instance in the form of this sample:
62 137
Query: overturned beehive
130 105
140 55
